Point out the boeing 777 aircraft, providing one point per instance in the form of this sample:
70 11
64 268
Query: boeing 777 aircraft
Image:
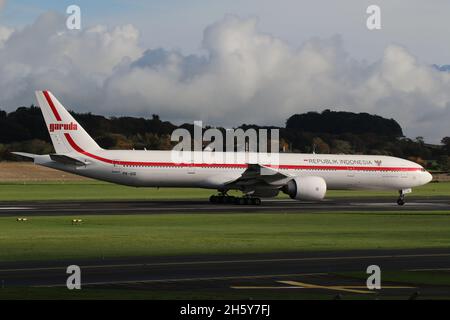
301 176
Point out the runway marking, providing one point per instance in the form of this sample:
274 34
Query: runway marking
355 289
190 279
231 262
316 286
15 208
429 269
303 285
389 204
263 288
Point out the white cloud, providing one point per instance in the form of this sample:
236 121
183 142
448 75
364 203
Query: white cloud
5 33
243 76
72 63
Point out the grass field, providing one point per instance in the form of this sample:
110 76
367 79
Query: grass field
92 190
43 238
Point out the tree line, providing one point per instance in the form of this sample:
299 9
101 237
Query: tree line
327 132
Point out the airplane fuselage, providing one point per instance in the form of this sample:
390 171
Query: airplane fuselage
155 169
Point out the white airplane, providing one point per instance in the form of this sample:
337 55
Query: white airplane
301 176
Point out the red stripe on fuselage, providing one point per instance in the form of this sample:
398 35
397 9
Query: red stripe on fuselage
78 149
52 105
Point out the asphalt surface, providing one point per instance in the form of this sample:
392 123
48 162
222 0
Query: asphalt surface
204 267
30 208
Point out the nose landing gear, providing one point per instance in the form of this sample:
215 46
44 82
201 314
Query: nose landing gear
401 198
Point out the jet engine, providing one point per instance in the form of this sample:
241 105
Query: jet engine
306 188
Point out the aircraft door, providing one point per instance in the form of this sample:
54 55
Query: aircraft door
191 168
117 167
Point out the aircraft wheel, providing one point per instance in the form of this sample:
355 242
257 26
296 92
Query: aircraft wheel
401 198
213 199
229 199
255 201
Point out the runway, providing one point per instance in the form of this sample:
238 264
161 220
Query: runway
324 272
30 208
280 271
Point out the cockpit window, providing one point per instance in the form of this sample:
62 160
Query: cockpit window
423 169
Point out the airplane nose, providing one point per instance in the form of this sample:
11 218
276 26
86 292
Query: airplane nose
428 177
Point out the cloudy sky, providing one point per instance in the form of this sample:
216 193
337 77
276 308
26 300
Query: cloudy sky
232 62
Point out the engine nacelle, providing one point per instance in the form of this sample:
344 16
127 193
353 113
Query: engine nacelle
306 188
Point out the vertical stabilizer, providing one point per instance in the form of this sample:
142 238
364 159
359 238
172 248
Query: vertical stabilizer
66 133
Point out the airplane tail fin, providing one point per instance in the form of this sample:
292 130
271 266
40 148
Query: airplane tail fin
66 133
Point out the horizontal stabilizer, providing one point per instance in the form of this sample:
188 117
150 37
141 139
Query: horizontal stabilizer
25 154
67 160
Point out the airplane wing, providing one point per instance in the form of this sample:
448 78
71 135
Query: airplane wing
257 176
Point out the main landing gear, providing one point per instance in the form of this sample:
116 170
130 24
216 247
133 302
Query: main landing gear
401 198
226 199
